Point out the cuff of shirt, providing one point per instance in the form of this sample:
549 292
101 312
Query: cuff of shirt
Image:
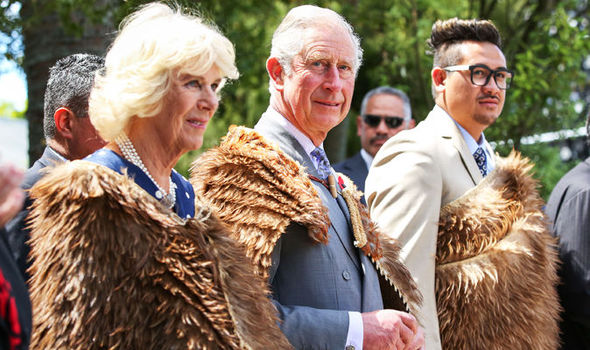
354 338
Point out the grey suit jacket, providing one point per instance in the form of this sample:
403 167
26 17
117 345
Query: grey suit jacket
356 169
315 285
17 233
414 174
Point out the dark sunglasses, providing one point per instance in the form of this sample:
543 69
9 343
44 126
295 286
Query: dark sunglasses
374 120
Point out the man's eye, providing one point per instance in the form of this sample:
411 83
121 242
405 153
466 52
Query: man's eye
480 72
344 67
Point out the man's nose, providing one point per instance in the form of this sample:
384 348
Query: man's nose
333 81
382 126
491 87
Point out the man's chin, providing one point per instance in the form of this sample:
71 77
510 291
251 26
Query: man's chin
486 119
373 150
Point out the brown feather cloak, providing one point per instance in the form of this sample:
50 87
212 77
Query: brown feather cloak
113 269
496 265
259 190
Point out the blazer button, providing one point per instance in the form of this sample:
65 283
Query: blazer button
346 275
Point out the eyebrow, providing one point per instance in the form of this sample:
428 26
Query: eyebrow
485 65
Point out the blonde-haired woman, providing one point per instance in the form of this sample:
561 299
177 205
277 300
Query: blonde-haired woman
124 255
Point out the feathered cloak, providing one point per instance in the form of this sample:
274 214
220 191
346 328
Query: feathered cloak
259 190
496 265
113 269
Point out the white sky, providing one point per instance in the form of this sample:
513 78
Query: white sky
12 85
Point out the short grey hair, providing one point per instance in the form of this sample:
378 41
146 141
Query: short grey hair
388 90
287 42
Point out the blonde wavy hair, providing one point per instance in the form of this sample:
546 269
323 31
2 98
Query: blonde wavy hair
156 44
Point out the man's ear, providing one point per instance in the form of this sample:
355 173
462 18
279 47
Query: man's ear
64 119
359 120
275 71
439 78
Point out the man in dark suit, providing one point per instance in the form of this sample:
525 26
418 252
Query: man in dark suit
385 111
569 209
68 133
15 318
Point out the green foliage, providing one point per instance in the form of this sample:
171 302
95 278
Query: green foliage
548 165
544 42
7 109
546 57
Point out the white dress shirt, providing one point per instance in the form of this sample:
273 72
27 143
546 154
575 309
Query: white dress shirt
473 145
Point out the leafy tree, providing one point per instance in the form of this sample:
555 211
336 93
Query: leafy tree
7 109
545 42
52 29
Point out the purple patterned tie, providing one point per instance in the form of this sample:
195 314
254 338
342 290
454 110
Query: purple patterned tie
320 157
480 159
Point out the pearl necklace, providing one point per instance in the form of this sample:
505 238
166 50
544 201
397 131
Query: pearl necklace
129 152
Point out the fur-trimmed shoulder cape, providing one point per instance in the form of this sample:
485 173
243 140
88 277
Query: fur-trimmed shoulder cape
496 265
259 190
112 269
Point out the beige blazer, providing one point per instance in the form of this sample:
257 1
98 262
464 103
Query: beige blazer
414 174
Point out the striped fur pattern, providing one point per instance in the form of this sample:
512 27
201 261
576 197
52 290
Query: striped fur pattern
113 270
259 190
496 265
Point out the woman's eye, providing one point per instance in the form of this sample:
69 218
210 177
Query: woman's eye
194 83
214 87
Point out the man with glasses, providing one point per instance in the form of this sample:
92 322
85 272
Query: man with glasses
420 171
385 111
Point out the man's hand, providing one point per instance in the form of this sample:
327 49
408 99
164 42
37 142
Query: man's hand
391 329
11 196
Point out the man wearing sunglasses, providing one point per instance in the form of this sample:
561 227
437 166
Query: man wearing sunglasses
385 111
437 168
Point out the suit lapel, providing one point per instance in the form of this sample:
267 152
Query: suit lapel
50 158
466 157
451 132
268 127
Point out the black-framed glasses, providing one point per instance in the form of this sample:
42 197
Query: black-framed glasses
480 75
373 120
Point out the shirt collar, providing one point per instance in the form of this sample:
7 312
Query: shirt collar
469 140
367 158
303 140
57 154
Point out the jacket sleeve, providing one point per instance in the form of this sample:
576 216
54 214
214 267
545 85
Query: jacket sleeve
307 327
403 192
17 235
571 225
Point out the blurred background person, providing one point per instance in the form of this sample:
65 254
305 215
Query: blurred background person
15 305
569 210
68 133
385 111
124 255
